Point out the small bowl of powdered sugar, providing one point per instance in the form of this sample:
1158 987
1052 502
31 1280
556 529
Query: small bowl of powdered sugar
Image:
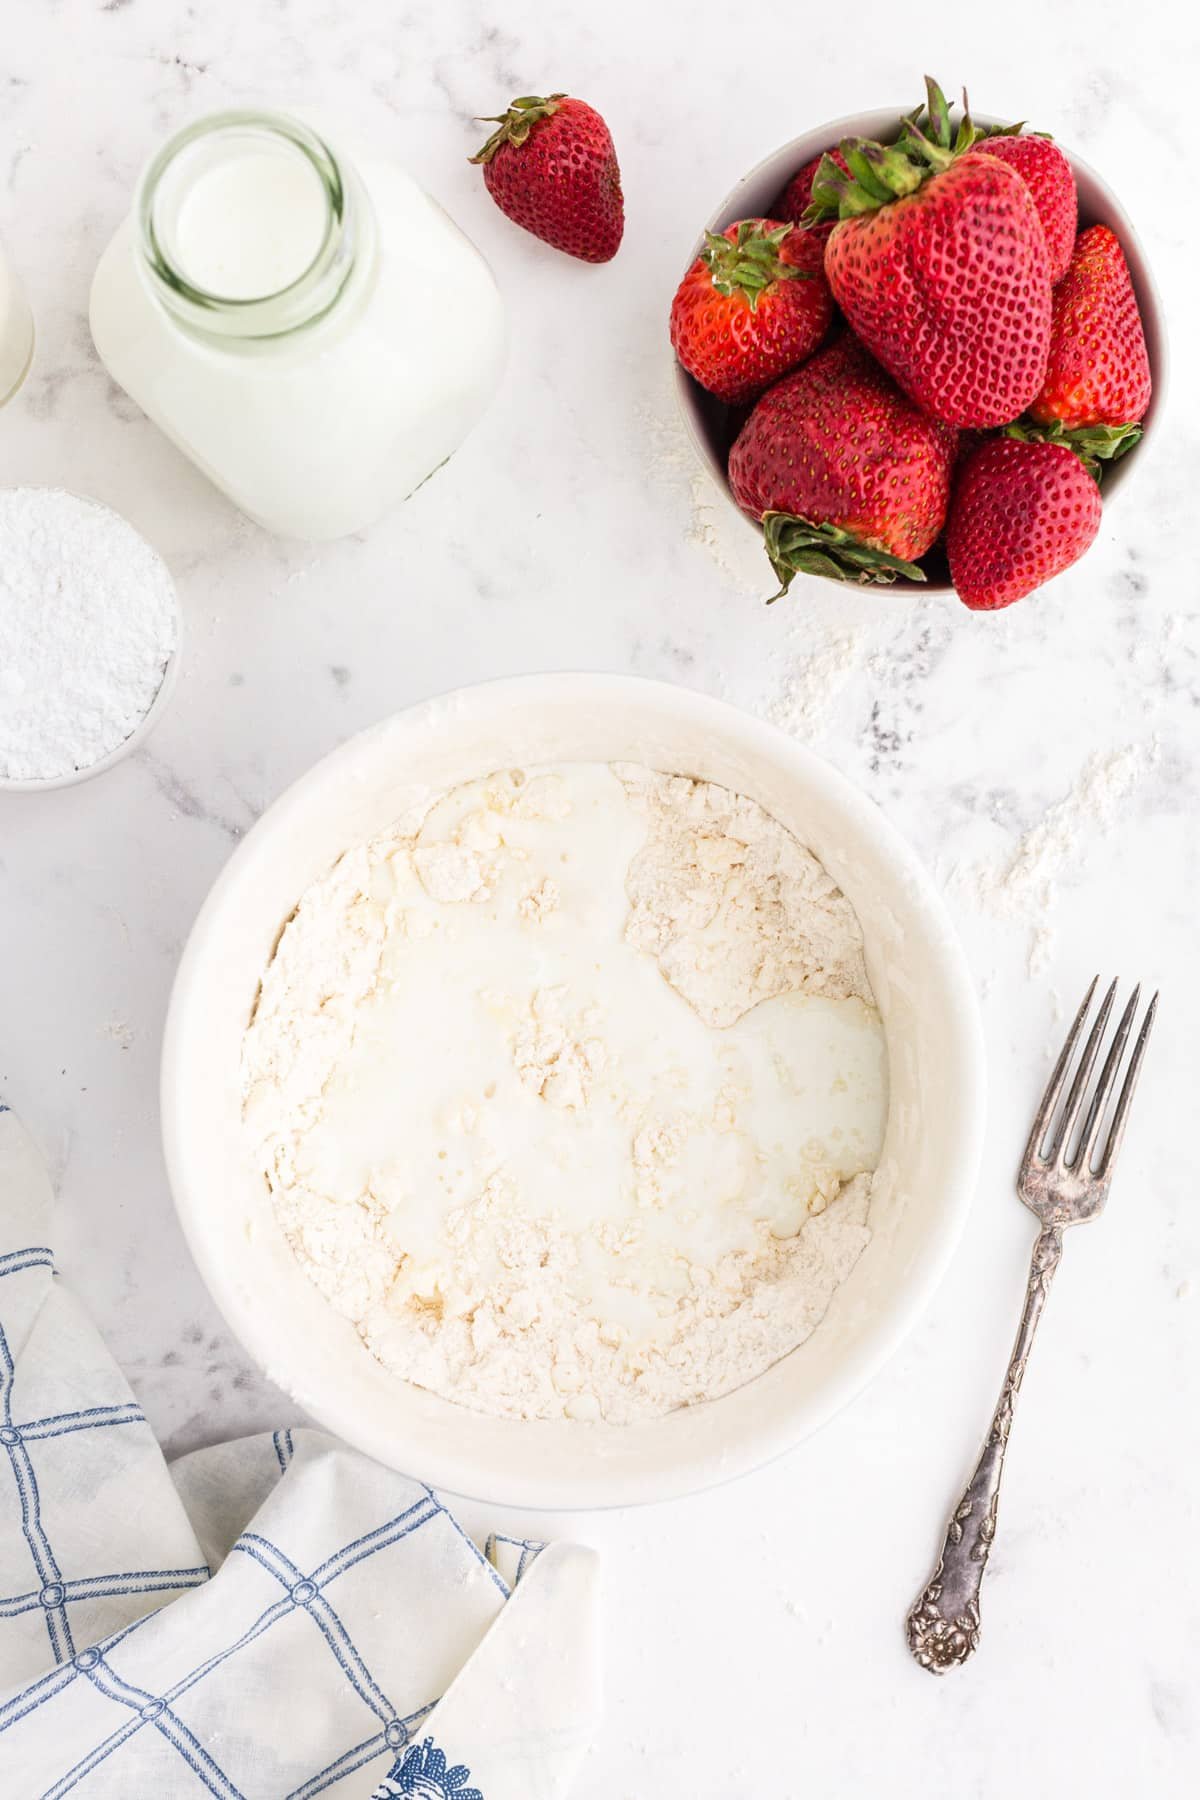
89 635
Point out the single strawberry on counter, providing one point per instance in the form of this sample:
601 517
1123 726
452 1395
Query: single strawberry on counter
551 167
1050 180
849 479
1022 512
796 197
939 262
1099 368
754 304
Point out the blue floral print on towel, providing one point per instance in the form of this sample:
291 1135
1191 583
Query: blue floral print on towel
422 1774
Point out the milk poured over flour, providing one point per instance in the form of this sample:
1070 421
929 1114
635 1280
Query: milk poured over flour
568 1092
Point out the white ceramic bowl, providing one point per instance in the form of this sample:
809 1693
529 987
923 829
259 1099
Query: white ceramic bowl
163 694
929 1159
712 426
127 746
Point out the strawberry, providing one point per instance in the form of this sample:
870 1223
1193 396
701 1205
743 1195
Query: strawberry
1022 512
753 304
939 262
968 444
848 477
1051 180
796 197
1099 368
552 168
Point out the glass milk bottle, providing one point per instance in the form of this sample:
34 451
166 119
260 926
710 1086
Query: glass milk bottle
317 338
16 331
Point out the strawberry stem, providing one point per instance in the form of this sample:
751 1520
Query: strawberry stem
797 546
516 124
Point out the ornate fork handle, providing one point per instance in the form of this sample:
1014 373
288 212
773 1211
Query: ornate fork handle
943 1626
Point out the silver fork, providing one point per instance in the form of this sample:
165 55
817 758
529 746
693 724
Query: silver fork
1065 1186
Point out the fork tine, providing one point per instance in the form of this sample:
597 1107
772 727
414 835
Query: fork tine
1045 1111
1123 1104
1061 1145
1104 1087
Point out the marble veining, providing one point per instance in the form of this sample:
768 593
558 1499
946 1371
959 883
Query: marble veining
574 529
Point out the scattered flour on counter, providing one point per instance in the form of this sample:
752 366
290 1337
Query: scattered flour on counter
569 1094
712 519
1023 885
813 679
713 525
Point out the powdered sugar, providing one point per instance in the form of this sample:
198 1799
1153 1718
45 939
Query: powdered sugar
88 624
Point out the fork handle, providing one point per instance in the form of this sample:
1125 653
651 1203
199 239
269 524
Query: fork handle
943 1626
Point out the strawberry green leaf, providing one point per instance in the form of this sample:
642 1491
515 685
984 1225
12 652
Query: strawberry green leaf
933 121
864 159
750 262
938 126
879 173
797 546
516 124
830 185
1094 445
927 141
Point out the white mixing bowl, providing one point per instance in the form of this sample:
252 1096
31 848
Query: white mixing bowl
922 1190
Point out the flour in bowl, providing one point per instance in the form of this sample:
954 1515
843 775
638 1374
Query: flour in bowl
568 1092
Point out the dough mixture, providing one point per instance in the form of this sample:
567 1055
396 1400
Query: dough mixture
568 1092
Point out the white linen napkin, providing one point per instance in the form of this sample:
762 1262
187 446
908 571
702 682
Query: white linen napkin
269 1619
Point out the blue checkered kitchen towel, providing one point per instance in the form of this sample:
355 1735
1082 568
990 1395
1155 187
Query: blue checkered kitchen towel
275 1617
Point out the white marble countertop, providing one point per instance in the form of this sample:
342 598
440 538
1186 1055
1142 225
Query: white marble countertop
754 1639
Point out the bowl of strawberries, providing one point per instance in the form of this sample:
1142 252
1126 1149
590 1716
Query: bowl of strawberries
920 350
